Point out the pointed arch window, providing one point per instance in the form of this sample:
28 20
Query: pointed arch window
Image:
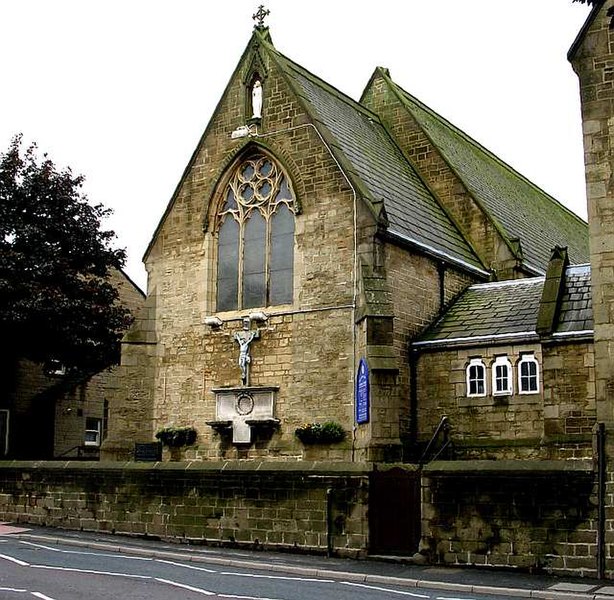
256 237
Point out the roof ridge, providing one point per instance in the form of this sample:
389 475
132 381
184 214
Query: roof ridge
292 72
507 282
325 85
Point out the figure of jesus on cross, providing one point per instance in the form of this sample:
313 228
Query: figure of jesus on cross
244 339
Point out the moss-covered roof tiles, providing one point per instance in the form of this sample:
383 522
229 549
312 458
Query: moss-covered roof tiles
504 312
519 208
371 158
576 311
490 311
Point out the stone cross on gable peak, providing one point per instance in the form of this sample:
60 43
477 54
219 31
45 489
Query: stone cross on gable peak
259 16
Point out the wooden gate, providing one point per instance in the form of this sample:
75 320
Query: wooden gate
394 512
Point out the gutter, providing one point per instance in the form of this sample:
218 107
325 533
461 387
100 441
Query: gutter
437 254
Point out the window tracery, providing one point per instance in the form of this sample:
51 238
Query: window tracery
256 237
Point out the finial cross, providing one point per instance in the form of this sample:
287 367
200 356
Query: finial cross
260 15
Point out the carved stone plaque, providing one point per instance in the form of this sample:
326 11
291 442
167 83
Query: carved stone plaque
244 407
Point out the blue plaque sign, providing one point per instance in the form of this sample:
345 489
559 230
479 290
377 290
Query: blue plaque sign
362 392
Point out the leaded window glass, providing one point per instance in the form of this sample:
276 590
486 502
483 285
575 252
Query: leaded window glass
476 378
502 376
528 375
256 237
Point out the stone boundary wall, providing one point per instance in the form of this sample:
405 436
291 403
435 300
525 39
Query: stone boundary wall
543 519
535 521
255 504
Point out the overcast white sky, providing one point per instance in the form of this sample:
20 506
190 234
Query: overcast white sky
121 90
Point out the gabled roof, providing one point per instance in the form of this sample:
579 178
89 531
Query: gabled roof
387 182
597 4
519 209
506 312
377 167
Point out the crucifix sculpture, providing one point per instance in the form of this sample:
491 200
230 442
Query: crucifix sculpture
244 338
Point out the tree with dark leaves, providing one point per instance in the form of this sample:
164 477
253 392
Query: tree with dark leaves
57 304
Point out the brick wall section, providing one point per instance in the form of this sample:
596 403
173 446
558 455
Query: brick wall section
438 176
594 64
532 522
205 502
465 521
593 60
53 409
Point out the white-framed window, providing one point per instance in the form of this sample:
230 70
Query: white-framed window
528 375
476 378
4 432
93 429
501 376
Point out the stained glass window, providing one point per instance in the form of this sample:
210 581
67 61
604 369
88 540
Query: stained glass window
256 237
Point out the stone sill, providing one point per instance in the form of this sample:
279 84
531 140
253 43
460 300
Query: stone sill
263 422
219 426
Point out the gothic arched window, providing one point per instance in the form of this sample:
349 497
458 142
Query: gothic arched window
255 237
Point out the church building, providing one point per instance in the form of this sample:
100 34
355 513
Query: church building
359 283
311 239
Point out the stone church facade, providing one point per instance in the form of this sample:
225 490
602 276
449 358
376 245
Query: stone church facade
369 264
322 231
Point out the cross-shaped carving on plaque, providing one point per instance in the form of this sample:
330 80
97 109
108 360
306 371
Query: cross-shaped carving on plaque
260 15
241 409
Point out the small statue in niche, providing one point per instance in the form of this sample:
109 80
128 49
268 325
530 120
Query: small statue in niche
244 339
257 100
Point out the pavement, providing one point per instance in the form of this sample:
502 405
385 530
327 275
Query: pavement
381 570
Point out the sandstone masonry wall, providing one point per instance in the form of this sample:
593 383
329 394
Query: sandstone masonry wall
557 422
204 503
523 521
306 348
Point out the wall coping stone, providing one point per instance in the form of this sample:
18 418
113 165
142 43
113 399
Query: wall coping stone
309 467
490 467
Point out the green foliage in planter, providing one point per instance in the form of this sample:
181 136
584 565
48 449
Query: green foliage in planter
177 437
320 433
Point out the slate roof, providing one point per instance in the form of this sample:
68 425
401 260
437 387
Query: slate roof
374 162
520 209
489 311
576 312
506 312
